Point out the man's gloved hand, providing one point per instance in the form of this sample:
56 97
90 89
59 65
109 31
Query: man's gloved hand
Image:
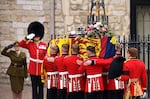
144 95
89 62
10 45
30 36
79 62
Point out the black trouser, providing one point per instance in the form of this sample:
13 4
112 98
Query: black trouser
76 95
37 87
62 93
105 94
135 97
94 95
52 93
115 94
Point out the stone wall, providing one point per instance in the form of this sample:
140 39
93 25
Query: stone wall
15 15
119 16
70 14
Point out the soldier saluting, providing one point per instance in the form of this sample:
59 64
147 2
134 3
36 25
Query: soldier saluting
17 70
37 50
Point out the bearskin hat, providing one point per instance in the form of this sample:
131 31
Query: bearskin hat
37 28
116 67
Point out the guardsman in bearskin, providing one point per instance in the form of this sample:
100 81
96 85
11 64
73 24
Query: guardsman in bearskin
94 82
52 73
37 50
17 70
76 80
63 73
134 71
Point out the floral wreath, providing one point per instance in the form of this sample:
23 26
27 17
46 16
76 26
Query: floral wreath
98 30
94 31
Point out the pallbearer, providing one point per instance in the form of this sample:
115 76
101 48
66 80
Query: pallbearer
63 73
115 87
76 80
94 83
109 85
51 71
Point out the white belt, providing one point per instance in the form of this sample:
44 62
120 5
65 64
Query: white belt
52 73
63 79
63 73
116 83
119 84
74 85
90 77
94 76
36 60
75 76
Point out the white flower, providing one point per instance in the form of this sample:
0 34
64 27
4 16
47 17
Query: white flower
97 25
73 32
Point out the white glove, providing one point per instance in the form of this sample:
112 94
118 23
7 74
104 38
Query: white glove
30 36
144 95
87 63
79 62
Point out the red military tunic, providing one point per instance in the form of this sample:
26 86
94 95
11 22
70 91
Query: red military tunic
62 70
105 63
94 80
76 79
52 73
37 54
113 84
135 71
